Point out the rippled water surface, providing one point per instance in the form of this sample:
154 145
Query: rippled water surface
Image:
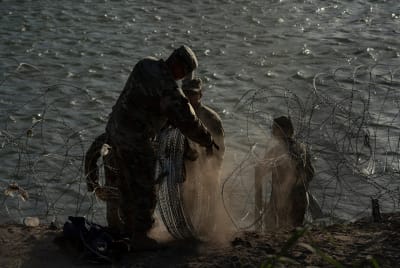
63 64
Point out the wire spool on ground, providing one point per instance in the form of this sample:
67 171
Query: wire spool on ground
170 170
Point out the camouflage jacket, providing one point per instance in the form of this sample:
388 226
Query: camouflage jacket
214 124
150 98
206 168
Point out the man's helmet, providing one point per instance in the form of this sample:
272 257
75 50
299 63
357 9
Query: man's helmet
187 57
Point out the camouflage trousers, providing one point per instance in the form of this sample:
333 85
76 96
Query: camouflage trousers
131 170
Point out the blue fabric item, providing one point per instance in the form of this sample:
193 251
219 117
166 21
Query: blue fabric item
97 242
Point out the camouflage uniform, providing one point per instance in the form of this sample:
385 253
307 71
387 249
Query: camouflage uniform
203 174
214 124
150 98
211 120
291 175
291 170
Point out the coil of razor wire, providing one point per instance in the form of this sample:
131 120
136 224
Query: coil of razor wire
170 171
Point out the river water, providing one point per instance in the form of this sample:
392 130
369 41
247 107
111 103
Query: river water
333 66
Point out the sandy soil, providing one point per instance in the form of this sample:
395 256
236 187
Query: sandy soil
358 244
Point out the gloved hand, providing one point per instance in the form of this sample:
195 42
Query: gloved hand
190 153
209 149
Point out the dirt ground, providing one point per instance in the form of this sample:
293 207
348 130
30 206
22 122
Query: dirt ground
360 244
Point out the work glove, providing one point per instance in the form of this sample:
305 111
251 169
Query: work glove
209 148
190 153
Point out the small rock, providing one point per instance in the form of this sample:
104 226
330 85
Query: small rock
31 221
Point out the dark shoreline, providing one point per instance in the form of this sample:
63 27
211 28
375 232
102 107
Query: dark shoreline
363 243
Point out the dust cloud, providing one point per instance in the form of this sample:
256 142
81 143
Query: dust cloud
203 202
218 212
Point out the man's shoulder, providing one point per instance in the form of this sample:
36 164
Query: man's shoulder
152 72
213 115
211 119
148 63
299 149
149 59
304 147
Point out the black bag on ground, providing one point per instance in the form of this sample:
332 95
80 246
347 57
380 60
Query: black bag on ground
95 242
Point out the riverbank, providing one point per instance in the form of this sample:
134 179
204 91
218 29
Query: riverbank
363 243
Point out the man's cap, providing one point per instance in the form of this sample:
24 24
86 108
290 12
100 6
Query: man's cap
187 56
192 84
